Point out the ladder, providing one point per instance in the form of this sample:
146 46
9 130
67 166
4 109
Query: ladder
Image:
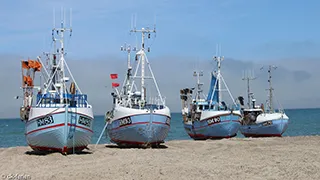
73 123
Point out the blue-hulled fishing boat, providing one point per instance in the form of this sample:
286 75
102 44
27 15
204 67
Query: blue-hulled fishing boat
136 119
258 122
57 118
209 117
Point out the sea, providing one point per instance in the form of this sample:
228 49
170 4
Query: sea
303 122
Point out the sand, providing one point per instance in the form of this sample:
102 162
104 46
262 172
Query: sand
236 158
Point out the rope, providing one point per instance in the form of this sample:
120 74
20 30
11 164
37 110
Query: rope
104 128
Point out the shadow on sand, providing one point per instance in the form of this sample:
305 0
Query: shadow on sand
137 146
44 153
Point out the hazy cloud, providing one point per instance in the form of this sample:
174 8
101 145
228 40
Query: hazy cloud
300 76
292 49
293 88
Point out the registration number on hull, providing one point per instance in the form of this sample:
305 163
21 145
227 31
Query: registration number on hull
85 121
45 121
125 121
213 120
268 123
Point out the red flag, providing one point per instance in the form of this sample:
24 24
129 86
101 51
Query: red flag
113 76
115 84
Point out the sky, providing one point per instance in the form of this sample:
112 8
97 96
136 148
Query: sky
251 33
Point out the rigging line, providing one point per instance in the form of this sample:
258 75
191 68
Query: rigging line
123 85
50 81
280 106
47 74
135 87
154 79
72 77
135 74
228 89
74 80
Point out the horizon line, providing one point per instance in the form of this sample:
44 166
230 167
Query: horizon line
178 112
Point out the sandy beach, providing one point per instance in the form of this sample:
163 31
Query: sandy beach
252 158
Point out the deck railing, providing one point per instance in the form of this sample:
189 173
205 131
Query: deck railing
54 100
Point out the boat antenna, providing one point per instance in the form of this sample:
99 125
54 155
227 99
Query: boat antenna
270 105
248 76
154 25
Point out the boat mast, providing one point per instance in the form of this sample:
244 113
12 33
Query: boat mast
270 105
54 60
60 51
247 78
142 54
199 90
129 70
54 54
126 87
219 59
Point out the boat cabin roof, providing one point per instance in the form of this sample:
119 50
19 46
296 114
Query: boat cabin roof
204 102
149 106
252 110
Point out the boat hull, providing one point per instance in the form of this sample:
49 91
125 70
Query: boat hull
271 128
147 128
64 130
227 127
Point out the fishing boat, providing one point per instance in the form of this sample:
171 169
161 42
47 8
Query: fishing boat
57 114
208 116
137 118
260 122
